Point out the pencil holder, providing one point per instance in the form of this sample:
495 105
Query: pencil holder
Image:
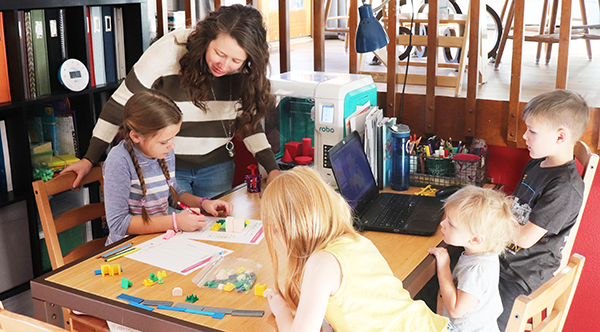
438 166
466 166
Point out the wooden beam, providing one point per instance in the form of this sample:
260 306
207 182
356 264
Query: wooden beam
284 36
318 36
472 77
563 45
392 58
514 111
352 24
190 13
432 60
162 25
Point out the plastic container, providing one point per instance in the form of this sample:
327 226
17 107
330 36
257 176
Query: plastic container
400 158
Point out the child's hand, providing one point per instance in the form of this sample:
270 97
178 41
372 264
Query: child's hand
441 255
189 222
214 206
277 303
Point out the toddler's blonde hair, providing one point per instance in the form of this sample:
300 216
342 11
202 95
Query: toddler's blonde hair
486 213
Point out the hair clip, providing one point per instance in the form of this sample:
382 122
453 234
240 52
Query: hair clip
169 182
143 202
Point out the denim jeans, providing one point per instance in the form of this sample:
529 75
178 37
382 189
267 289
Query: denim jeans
208 181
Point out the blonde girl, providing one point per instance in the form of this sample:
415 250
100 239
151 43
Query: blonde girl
324 269
139 173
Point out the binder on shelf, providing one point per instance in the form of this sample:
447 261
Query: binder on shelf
98 45
55 37
4 82
110 55
40 52
119 43
30 57
5 158
23 53
88 26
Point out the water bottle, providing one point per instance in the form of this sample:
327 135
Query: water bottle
400 158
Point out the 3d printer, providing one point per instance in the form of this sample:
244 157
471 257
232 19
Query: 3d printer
316 105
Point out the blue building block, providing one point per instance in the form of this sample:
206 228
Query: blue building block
130 298
141 306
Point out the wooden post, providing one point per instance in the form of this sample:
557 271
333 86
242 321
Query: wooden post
284 37
318 36
392 59
514 111
473 72
190 13
563 45
353 24
162 24
432 62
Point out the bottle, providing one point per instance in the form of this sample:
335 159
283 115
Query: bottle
400 158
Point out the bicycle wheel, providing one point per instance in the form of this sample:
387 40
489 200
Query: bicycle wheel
404 50
494 31
421 51
448 51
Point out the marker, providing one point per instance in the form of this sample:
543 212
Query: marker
127 252
187 208
115 251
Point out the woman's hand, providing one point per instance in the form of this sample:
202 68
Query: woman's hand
214 206
189 222
81 168
272 175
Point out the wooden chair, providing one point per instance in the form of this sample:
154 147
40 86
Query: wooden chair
11 322
554 297
589 161
70 219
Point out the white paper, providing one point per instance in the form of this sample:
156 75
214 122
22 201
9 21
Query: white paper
252 233
179 254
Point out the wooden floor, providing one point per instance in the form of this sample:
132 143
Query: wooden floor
584 75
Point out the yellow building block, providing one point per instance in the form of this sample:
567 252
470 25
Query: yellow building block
148 282
215 227
229 287
115 269
240 270
105 269
259 289
161 274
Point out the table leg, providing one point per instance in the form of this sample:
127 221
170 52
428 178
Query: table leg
48 312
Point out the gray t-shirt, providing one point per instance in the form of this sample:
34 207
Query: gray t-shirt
550 198
478 275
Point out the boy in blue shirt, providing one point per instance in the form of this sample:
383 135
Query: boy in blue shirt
548 197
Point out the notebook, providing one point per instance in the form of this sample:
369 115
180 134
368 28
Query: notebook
384 212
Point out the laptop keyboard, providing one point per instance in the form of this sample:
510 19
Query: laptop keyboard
396 212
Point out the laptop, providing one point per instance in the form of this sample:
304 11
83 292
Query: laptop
384 212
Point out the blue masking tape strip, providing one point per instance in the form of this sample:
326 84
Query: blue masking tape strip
141 306
170 308
130 298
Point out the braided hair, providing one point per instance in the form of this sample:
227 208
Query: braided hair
146 113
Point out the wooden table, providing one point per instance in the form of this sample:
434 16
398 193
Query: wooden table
75 286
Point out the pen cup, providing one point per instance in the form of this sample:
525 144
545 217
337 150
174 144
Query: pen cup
465 165
438 166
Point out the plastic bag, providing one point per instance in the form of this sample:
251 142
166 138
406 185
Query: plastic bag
228 274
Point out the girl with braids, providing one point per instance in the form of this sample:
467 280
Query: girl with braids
217 75
139 173
331 271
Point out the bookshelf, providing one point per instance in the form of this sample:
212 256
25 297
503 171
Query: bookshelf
87 103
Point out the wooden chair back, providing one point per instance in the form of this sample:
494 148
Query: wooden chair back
589 161
12 322
554 297
69 219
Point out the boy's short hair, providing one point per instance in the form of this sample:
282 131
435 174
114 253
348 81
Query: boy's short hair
486 213
560 108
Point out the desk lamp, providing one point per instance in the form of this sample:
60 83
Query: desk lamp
370 35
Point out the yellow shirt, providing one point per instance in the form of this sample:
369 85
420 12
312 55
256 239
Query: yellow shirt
370 298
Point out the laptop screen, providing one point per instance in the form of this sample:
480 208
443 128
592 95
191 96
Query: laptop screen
351 170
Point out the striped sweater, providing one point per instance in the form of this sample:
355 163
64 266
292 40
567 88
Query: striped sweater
203 136
123 191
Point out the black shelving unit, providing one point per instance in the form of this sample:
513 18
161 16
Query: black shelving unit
86 102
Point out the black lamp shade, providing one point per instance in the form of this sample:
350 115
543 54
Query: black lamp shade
370 35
